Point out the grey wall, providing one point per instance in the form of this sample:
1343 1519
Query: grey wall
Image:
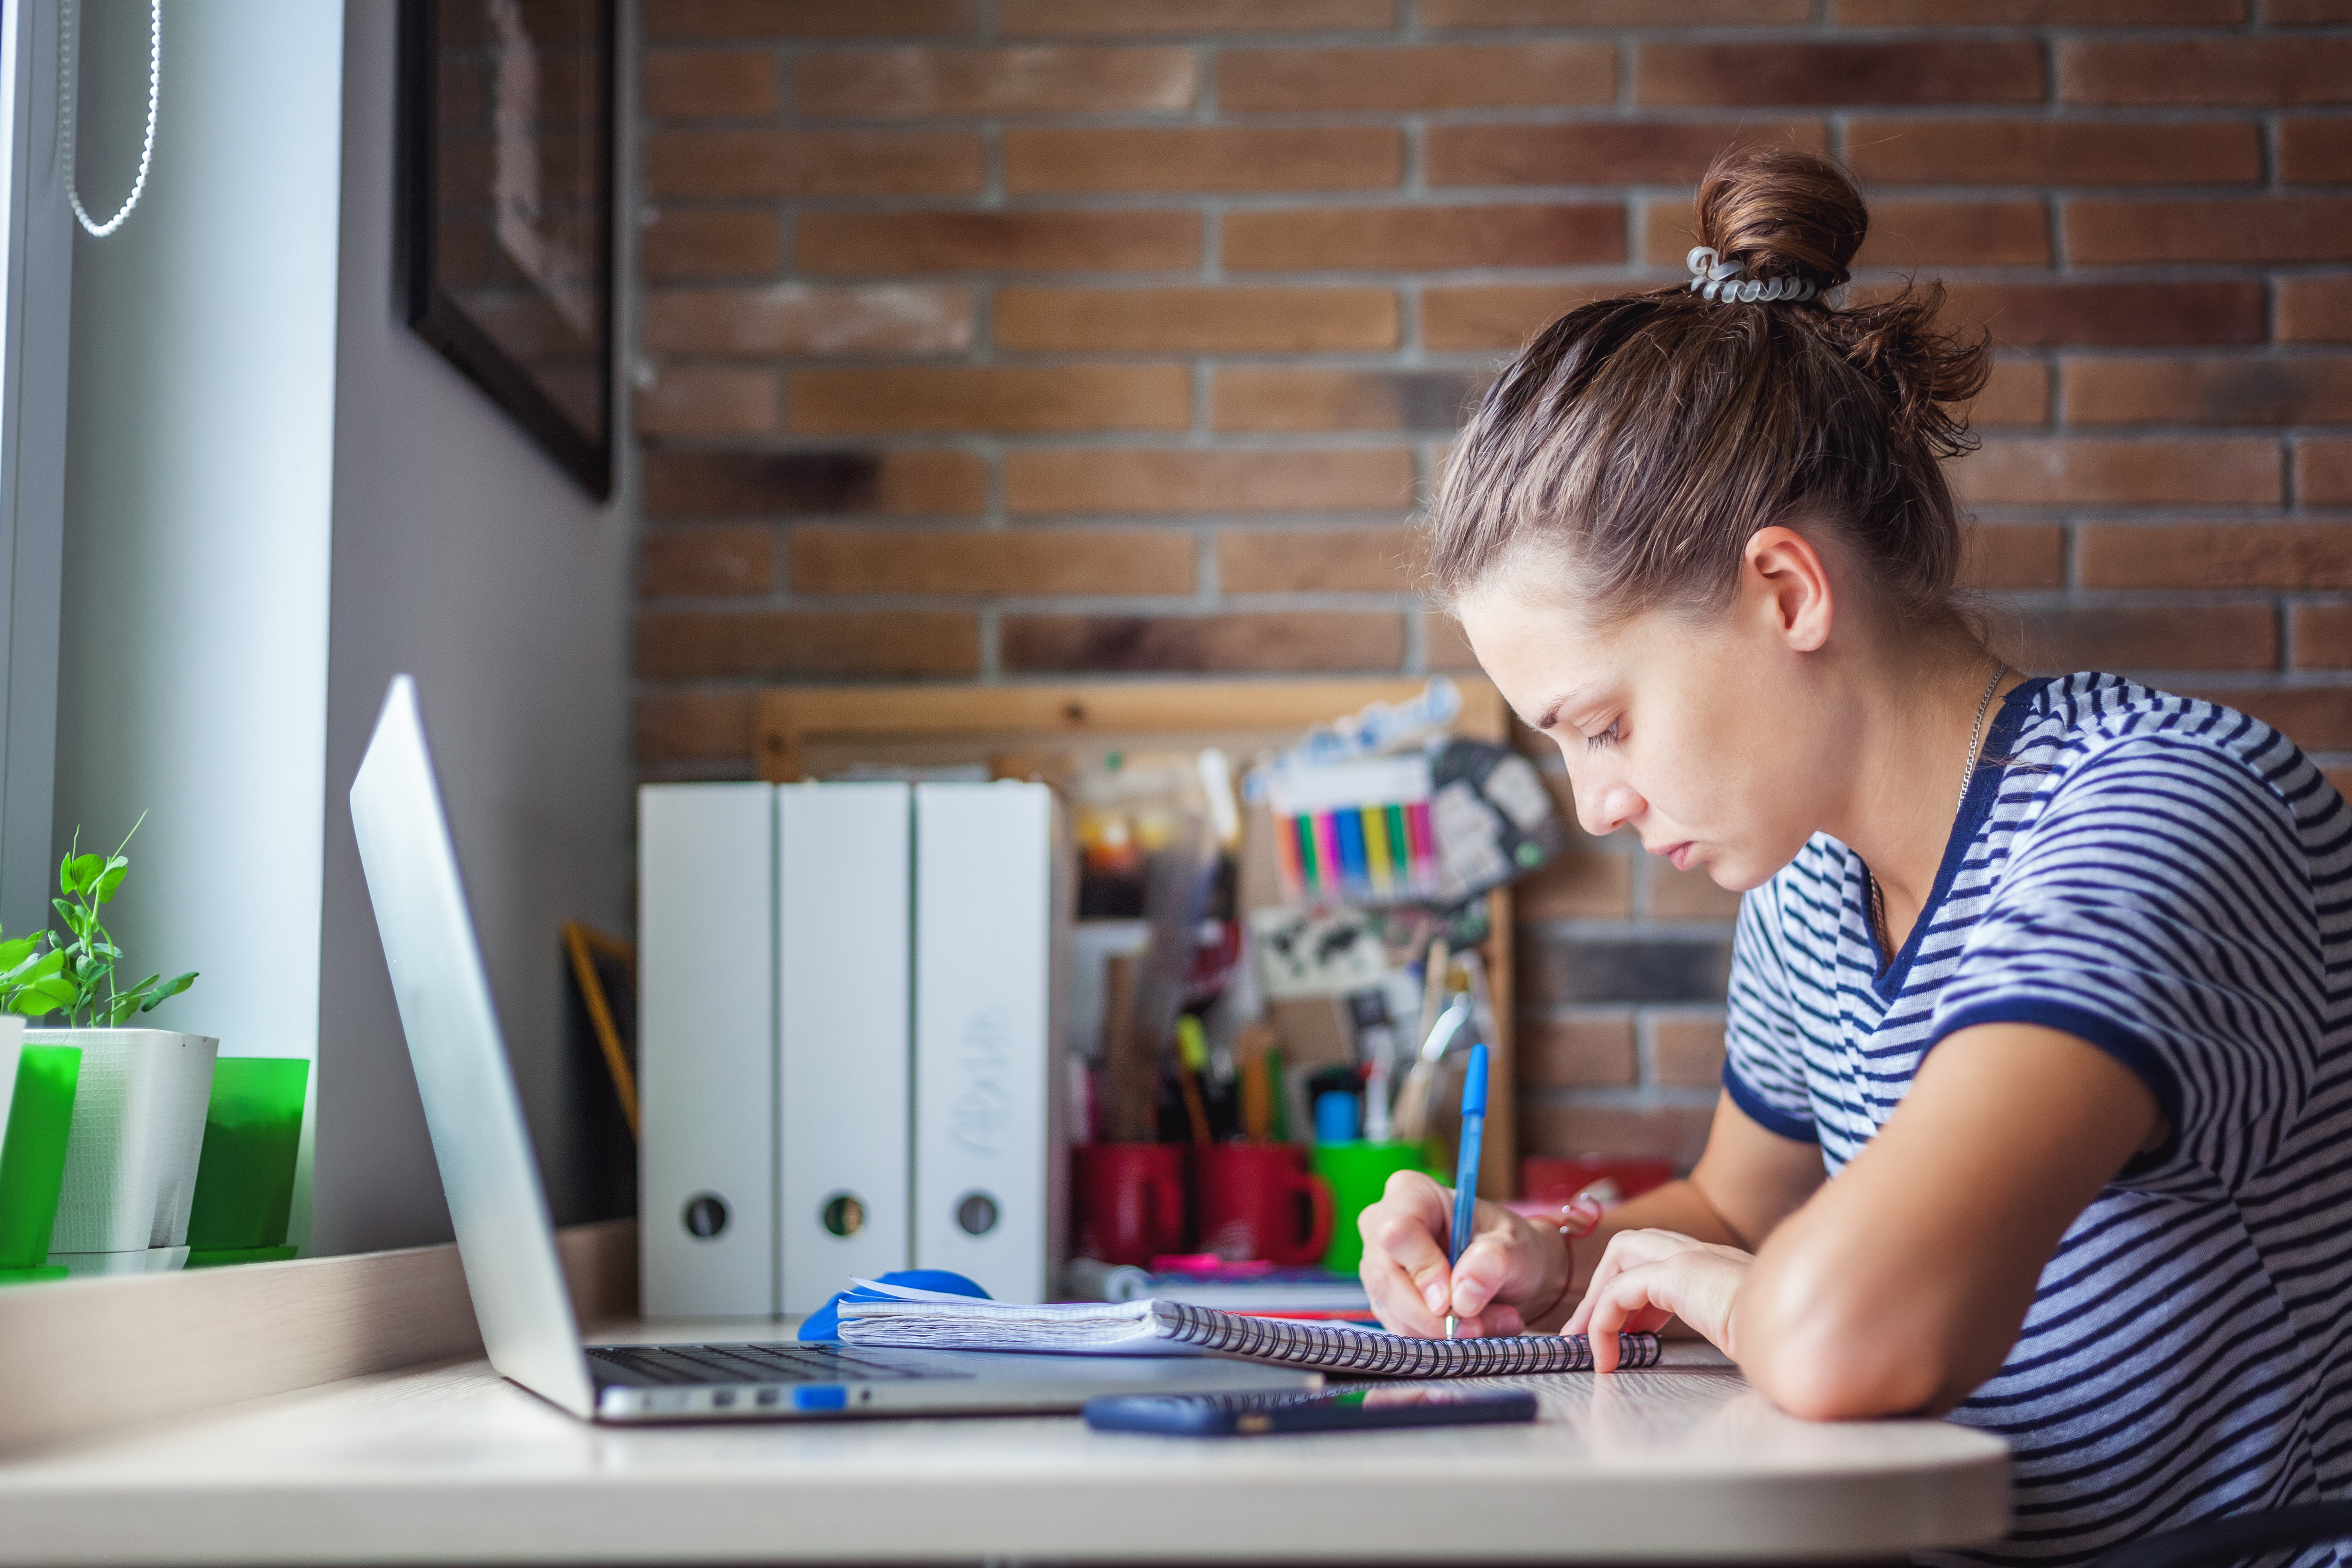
193 658
465 558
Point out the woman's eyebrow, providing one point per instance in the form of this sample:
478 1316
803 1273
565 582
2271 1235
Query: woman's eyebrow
1551 710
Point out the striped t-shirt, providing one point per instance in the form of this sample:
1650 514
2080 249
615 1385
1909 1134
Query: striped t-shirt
2170 881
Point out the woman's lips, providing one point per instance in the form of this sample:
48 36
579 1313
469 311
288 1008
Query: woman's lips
1680 856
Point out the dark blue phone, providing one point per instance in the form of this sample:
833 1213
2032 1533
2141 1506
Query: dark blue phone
1331 1410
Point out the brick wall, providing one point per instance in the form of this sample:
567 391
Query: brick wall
1047 337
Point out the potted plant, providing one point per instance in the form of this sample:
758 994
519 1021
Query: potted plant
139 1106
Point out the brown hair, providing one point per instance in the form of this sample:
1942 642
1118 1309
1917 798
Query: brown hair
1647 438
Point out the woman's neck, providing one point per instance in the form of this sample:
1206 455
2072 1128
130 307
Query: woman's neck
1909 779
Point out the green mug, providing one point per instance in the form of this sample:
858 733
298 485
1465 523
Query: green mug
1359 1172
38 1116
245 1177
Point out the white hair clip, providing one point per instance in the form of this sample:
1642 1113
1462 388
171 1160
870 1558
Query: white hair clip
1715 279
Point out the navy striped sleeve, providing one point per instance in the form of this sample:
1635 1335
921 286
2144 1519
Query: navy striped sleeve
1764 1058
2160 909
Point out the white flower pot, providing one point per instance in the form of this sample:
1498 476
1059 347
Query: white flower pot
138 1130
12 1051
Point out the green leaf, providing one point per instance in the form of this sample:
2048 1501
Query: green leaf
171 988
13 953
81 870
117 868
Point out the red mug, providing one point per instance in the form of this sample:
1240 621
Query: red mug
1127 1201
1260 1201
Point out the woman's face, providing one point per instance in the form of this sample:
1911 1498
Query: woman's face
1712 737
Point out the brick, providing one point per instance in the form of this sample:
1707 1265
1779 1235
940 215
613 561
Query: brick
1203 158
2309 389
709 245
707 400
1169 481
2260 228
2174 637
2011 556
989 397
688 726
1579 884
2040 13
1226 643
2268 73
840 482
881 83
1638 153
1444 647
999 241
1558 972
1074 19
2323 638
1688 896
698 82
686 561
838 559
2279 555
807 19
1196 321
2306 12
1675 1133
1576 1053
1506 315
803 318
785 644
727 163
2316 152
1945 70
1317 560
2121 314
2316 718
2076 471
1532 74
2315 310
2017 393
1411 239
1250 398
1687 1052
2323 473
2052 152
1611 13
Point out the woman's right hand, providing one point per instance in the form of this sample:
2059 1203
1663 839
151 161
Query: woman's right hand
1513 1277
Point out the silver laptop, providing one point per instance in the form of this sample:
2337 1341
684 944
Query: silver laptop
507 1241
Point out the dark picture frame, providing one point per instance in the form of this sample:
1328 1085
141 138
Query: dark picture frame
505 221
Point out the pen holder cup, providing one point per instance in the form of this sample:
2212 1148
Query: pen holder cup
253 1131
1127 1201
36 1102
1359 1173
1259 1201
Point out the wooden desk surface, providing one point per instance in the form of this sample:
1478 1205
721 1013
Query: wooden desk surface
453 1464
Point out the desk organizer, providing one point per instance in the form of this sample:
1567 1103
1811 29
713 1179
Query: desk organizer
138 1126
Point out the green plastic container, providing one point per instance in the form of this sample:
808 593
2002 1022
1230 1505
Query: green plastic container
1359 1172
33 1157
245 1177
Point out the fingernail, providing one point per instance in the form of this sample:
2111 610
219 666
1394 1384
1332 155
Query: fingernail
1435 1297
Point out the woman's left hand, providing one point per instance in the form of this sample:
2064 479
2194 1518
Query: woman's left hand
1647 1277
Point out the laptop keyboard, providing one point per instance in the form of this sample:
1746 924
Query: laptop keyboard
665 1364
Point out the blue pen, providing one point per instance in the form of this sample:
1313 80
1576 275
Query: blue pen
1466 1168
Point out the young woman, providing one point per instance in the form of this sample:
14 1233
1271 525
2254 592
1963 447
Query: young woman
2038 1103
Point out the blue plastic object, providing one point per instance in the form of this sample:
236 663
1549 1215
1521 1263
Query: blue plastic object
1337 1118
823 1327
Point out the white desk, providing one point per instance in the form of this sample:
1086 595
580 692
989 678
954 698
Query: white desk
452 1464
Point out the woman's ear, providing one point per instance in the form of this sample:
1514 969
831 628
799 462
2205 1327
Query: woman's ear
1786 580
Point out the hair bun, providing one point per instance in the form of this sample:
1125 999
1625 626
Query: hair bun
1783 214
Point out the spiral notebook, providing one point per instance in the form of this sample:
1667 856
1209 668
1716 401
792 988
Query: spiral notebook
875 1314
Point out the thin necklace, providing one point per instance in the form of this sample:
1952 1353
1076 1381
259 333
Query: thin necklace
1967 774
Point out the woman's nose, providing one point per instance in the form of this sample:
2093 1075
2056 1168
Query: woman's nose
1603 807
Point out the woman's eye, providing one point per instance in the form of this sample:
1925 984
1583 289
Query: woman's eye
1608 737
